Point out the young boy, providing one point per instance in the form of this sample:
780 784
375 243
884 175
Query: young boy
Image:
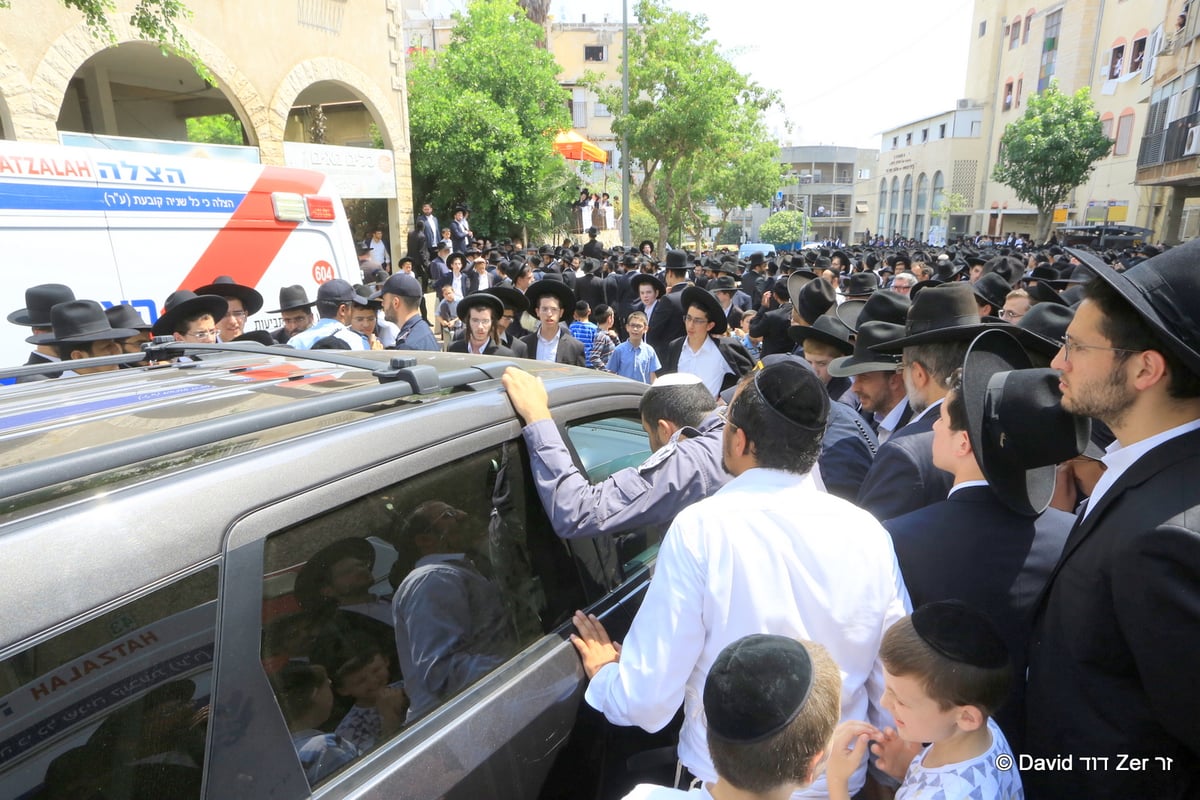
772 704
606 338
583 328
306 700
635 358
946 670
447 313
360 672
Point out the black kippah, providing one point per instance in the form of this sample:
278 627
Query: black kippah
960 633
756 687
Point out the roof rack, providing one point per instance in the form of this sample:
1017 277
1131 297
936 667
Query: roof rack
403 377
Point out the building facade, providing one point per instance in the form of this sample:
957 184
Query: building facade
271 63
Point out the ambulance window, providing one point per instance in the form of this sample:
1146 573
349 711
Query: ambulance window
116 707
461 558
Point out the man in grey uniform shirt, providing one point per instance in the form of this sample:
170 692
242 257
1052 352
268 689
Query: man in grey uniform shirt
678 413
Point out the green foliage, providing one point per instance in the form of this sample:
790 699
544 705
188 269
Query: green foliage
783 227
154 20
730 234
952 203
483 113
1051 149
692 117
215 129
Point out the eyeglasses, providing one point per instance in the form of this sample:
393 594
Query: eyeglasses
1006 314
690 320
201 335
236 314
1068 347
480 323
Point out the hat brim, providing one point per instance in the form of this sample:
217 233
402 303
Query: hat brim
960 333
637 280
293 307
694 295
210 304
848 366
98 336
849 312
251 299
478 299
558 289
511 298
802 333
21 317
1025 491
1133 294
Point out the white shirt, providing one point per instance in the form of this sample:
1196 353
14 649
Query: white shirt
708 364
931 407
965 485
1118 459
548 350
887 425
459 285
746 561
379 252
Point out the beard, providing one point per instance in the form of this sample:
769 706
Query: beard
1107 400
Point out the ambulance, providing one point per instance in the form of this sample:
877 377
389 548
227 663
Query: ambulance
127 227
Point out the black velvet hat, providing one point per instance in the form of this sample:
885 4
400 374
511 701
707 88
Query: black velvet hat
558 289
512 298
644 277
224 286
38 302
1016 423
1165 292
827 329
480 300
992 288
961 634
945 313
182 304
695 296
757 686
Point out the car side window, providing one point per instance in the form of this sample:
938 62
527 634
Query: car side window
116 707
379 611
606 445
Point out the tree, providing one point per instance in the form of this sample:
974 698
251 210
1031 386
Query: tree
483 113
1050 150
746 175
783 227
155 20
952 203
215 129
689 110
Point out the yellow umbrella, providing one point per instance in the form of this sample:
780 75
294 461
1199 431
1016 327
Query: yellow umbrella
575 147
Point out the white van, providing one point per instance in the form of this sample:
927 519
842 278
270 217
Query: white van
124 227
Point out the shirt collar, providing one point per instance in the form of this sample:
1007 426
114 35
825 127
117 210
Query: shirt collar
965 485
920 416
892 418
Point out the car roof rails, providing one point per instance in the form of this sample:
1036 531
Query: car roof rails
401 378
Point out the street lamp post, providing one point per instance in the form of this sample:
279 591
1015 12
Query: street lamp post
626 209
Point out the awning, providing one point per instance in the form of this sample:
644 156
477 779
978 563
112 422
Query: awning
860 207
575 147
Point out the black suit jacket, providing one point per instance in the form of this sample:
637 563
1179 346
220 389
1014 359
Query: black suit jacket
773 327
903 477
460 346
1114 658
666 324
570 349
974 548
734 353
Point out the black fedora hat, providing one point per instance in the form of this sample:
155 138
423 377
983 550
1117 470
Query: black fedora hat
944 313
723 283
992 288
946 270
849 313
511 298
830 330
798 279
182 303
126 316
38 302
315 572
257 337
293 297
1044 292
480 300
1042 272
644 277
555 288
1016 423
80 321
861 284
865 358
814 299
677 261
695 296
1165 292
1008 267
1043 327
885 307
225 286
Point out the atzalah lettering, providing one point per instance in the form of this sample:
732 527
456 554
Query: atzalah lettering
28 165
94 662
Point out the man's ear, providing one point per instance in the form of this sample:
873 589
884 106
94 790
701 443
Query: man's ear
970 718
77 354
666 430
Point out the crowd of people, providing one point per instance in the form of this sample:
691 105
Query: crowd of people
932 528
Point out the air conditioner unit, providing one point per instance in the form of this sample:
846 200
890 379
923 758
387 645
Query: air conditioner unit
964 104
1191 146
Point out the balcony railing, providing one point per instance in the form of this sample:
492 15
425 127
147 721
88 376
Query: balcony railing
1168 145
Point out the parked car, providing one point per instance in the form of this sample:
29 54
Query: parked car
750 248
1103 236
172 536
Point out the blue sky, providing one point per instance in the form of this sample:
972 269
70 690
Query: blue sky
845 70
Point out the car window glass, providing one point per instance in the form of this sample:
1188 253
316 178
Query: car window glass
381 610
606 445
116 707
